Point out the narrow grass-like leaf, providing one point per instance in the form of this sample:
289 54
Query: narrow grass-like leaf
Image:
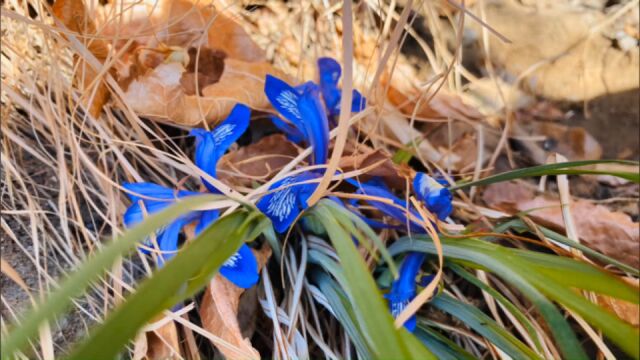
622 334
368 231
78 280
571 273
484 325
479 258
519 226
500 298
189 271
375 320
565 271
343 312
554 169
440 346
520 269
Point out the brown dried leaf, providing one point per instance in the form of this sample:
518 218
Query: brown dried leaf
73 15
457 143
626 311
209 65
162 343
257 161
611 233
188 18
574 142
441 106
219 312
160 94
384 167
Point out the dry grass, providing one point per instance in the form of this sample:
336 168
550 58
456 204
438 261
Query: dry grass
61 167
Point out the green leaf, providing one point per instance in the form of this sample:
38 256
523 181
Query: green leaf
500 298
373 316
441 346
343 311
622 334
482 255
519 226
554 169
484 325
185 274
366 229
79 279
572 273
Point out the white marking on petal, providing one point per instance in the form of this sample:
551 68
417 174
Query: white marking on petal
282 202
288 100
233 260
398 306
428 185
223 132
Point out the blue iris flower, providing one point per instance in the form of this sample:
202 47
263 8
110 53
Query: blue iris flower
211 145
403 290
242 267
435 196
330 72
437 199
302 107
307 121
288 199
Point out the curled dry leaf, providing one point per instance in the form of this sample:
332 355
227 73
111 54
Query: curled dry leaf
187 19
163 93
256 162
175 74
611 233
73 15
219 313
457 142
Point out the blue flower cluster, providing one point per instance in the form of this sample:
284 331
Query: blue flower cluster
306 111
148 198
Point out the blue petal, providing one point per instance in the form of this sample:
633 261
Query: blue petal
211 145
403 290
150 191
316 123
283 206
330 72
293 134
168 241
358 102
207 217
303 108
398 212
284 98
204 155
231 129
134 213
436 197
241 268
302 88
